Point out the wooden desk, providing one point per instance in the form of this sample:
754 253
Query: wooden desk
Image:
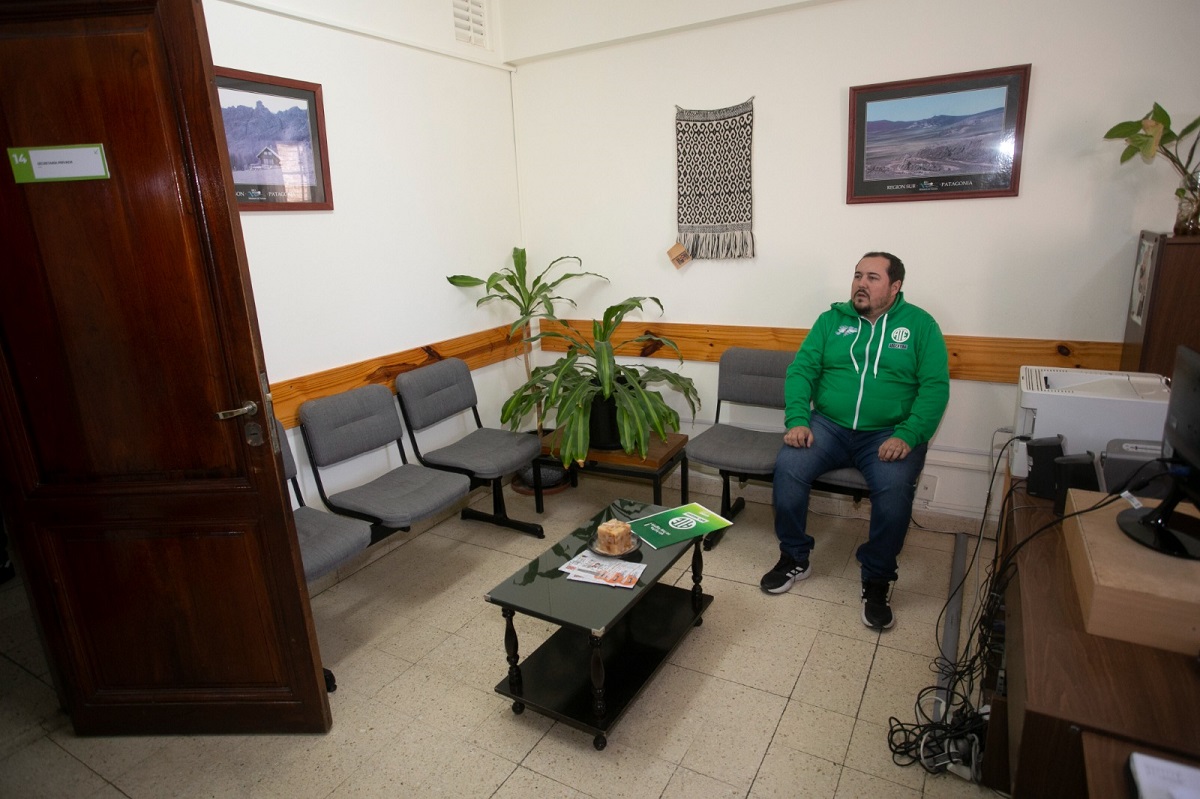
661 458
1106 759
1064 682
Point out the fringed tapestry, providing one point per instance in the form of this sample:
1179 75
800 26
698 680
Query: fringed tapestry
713 165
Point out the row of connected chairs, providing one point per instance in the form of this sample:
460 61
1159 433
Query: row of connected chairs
343 427
754 377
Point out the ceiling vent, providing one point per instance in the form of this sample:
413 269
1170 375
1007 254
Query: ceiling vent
470 22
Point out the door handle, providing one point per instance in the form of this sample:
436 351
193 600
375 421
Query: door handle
248 409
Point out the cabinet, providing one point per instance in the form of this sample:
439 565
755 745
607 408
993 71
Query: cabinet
1078 702
1162 311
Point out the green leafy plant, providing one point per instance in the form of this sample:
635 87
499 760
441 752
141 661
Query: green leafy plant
1152 135
533 299
588 370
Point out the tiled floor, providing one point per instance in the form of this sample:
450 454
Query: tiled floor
773 696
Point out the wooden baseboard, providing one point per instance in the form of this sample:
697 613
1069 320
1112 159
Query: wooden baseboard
991 360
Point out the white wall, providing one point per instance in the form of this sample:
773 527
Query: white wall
427 180
538 28
596 158
424 185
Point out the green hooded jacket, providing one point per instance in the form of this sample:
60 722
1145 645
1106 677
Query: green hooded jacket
864 376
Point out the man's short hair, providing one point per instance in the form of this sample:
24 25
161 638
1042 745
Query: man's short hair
895 267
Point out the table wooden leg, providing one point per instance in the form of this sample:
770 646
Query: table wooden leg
697 576
515 683
599 708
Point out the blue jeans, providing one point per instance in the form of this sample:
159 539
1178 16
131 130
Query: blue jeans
893 485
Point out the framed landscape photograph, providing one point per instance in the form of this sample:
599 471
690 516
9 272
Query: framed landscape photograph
939 138
275 132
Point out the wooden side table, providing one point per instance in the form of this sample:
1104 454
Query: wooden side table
660 459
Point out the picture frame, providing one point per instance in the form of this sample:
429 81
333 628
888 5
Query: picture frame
275 136
939 138
1149 245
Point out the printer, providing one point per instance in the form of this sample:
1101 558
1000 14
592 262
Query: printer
1088 408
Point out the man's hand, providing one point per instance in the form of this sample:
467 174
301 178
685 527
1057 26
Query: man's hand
893 449
799 436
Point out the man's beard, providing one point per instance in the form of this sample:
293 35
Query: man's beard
861 303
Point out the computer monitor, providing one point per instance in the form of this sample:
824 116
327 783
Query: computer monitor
1164 528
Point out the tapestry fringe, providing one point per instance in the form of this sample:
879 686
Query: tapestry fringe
729 244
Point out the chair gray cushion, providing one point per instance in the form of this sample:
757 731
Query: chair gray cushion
405 494
328 540
487 453
436 392
849 478
351 423
753 376
736 449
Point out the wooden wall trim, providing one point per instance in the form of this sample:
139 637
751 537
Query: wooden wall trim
992 360
477 349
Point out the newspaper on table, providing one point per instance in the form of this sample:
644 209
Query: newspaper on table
589 567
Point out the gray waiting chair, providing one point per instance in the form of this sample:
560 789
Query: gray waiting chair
754 377
327 540
342 427
443 390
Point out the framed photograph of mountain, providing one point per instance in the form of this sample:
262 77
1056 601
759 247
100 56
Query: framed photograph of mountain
941 138
275 133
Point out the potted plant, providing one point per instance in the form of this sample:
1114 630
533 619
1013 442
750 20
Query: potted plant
1152 135
588 377
533 299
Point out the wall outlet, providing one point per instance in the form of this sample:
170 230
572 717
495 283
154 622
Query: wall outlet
926 486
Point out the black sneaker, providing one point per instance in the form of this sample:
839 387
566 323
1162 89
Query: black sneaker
876 613
786 572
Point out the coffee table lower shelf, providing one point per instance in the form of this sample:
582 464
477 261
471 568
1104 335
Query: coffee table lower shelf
558 680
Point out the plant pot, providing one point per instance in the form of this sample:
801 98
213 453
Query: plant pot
554 478
1187 218
603 432
553 475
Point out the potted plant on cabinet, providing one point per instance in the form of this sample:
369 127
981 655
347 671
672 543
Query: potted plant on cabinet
1151 136
533 299
587 381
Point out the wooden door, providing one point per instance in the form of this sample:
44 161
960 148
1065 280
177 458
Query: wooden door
156 539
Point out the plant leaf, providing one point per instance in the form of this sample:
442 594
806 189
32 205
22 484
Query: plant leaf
1193 125
1123 130
1159 115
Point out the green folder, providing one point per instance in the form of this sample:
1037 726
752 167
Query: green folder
677 524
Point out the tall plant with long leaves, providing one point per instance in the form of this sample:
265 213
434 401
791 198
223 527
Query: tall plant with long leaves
533 299
588 370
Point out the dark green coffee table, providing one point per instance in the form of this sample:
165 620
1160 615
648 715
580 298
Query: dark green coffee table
610 641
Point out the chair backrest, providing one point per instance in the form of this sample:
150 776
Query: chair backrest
285 449
354 422
436 392
289 461
753 376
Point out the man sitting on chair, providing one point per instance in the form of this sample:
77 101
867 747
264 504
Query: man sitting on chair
867 389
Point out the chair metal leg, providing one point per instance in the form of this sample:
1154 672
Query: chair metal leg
499 514
727 510
538 504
